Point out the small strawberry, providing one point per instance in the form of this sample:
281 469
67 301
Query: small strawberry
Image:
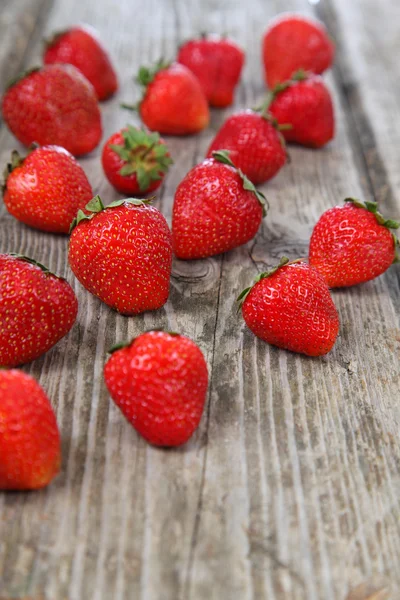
216 208
159 381
30 453
56 105
304 102
217 63
37 309
122 254
173 102
134 161
352 244
79 46
294 42
291 307
254 143
46 188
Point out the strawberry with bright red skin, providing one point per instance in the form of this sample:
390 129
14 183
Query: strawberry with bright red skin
46 189
53 105
291 307
79 46
216 208
159 382
37 309
352 244
29 438
294 42
304 102
174 102
122 254
135 162
217 63
254 143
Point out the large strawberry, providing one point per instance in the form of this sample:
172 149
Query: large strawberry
352 244
30 453
46 188
122 254
294 42
291 307
216 208
254 143
173 102
217 62
159 382
134 161
304 102
80 46
54 104
37 309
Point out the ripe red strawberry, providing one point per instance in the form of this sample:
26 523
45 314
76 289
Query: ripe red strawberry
294 42
159 382
173 102
29 438
352 244
304 102
291 307
54 104
216 208
46 188
134 161
79 46
254 143
122 253
217 63
37 309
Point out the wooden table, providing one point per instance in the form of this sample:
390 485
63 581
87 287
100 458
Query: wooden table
290 488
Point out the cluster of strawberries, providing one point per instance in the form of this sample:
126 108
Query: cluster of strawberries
122 253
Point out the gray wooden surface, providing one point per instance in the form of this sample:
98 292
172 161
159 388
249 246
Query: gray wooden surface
290 488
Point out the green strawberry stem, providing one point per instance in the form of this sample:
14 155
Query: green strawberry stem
96 206
299 75
223 156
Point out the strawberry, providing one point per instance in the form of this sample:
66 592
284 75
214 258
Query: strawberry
135 162
294 42
254 143
173 102
79 46
159 381
46 188
291 307
217 63
54 104
30 453
122 254
305 103
352 244
37 309
216 208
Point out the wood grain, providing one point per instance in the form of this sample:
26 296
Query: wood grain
290 487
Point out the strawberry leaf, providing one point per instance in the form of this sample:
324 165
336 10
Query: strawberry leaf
243 295
373 208
95 205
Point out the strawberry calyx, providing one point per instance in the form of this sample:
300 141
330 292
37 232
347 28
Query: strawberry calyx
14 80
34 262
299 75
122 345
95 206
15 162
144 155
223 156
373 208
146 74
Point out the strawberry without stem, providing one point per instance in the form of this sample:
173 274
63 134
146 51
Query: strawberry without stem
159 382
46 188
54 104
80 47
122 254
30 453
37 309
291 307
217 63
352 244
216 208
134 161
